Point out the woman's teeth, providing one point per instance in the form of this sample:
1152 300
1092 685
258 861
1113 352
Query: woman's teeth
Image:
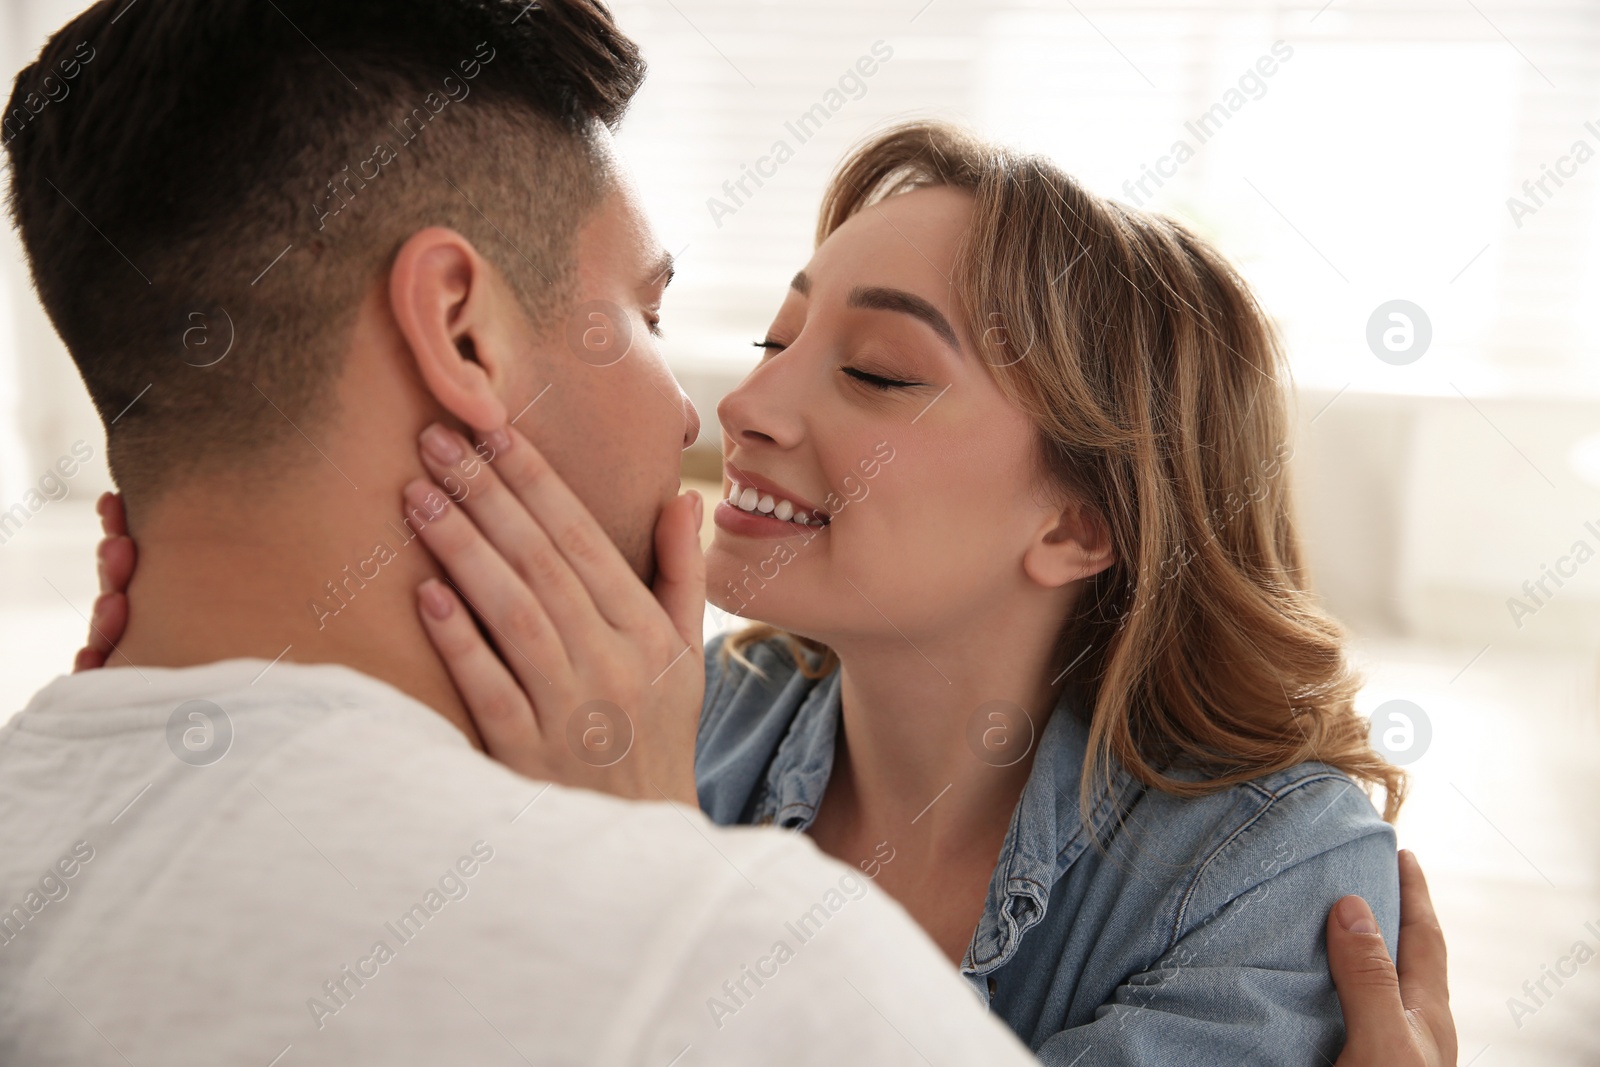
746 498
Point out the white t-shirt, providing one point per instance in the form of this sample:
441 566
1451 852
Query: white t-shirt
350 882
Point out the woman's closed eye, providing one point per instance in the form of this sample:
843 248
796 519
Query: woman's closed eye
877 381
880 382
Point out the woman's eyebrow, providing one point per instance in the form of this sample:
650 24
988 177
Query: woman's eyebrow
879 298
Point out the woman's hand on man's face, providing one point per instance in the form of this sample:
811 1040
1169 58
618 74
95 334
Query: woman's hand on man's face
598 680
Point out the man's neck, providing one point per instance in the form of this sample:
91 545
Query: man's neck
319 572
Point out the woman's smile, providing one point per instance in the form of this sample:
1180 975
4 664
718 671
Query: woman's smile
756 507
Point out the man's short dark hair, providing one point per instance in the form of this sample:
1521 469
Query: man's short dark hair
194 173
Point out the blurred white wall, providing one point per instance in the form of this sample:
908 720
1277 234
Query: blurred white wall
43 406
1452 519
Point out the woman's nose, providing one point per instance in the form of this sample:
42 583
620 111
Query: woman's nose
764 408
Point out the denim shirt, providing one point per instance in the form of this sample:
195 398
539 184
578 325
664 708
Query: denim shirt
1193 934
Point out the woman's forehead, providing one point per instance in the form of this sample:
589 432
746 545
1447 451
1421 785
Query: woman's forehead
908 241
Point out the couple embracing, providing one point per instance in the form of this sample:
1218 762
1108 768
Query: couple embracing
1037 744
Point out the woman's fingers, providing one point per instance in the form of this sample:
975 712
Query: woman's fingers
1424 971
114 561
507 528
1377 1030
107 620
608 577
527 558
501 710
113 517
517 622
88 659
680 585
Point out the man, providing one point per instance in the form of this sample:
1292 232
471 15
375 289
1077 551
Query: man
279 239
224 854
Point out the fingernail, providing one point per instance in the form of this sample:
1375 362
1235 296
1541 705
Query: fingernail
435 601
1355 916
499 441
424 497
441 445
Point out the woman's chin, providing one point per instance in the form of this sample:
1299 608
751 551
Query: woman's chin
734 563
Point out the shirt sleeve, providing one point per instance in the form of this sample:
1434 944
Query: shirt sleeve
1247 982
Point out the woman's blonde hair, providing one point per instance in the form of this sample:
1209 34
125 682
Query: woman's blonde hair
1159 390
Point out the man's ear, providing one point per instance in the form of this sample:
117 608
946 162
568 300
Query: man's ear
1073 543
458 317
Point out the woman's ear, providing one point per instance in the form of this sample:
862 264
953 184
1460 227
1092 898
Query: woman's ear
458 319
1072 544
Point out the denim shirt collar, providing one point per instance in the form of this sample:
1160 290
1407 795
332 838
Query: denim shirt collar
798 774
1045 837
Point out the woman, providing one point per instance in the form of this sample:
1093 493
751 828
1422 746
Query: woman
1041 598
1007 494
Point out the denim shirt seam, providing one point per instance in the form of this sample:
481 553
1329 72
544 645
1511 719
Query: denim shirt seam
1265 794
795 807
1271 800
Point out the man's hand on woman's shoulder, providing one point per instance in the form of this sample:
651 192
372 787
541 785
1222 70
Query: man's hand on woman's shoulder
1393 1016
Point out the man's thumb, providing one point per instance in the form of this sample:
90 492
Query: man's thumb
1369 987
